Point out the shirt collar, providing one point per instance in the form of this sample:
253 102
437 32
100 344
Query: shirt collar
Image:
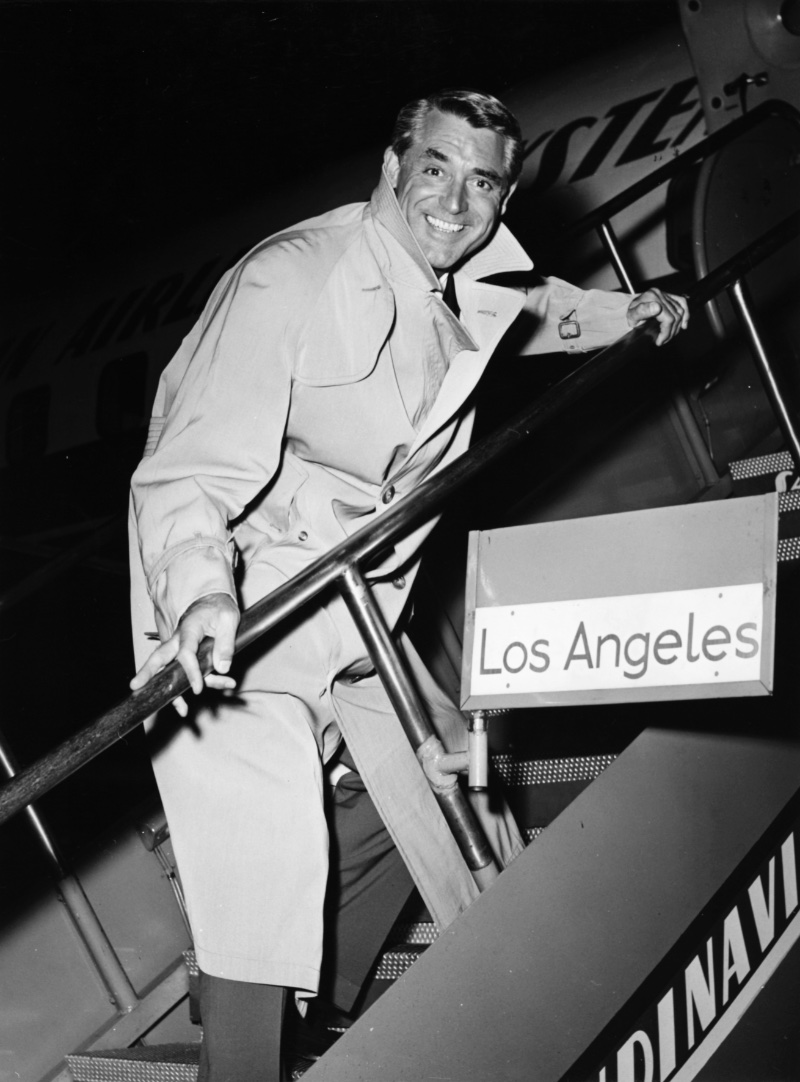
502 254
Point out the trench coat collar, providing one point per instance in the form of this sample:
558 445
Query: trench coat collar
502 254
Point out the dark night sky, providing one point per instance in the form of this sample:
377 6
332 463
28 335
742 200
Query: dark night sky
124 122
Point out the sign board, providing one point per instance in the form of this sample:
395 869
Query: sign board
671 603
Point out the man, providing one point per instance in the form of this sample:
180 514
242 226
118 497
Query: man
326 378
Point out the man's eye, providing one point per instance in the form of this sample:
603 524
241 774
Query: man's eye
484 185
433 171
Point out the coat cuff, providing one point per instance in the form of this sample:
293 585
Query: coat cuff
602 317
187 572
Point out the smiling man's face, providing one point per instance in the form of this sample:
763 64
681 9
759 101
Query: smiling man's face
452 187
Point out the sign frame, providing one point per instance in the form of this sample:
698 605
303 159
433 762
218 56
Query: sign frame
664 550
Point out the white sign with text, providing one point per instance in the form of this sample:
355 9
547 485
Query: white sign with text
682 637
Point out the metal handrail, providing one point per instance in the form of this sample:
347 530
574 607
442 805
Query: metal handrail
600 220
36 780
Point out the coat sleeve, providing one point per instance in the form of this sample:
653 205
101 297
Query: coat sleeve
601 316
215 438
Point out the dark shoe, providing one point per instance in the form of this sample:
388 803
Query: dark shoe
306 1039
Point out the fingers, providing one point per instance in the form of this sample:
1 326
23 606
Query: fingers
191 635
673 317
212 680
158 660
220 683
225 639
215 615
671 311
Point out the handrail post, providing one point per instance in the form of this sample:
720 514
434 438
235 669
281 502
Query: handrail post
682 416
611 246
385 657
71 893
740 295
46 843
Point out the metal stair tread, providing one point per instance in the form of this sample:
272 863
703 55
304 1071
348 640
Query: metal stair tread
547 771
393 963
158 1063
761 465
163 1053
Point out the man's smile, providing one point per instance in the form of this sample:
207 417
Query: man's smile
442 226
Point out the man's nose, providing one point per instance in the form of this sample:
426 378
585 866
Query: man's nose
455 198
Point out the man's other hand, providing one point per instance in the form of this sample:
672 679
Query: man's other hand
671 311
215 616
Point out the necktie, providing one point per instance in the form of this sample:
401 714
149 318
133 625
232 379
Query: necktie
449 296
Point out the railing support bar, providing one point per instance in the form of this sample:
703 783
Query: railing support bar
685 422
80 910
32 814
98 944
740 295
611 245
389 665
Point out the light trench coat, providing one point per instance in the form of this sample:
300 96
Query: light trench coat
279 428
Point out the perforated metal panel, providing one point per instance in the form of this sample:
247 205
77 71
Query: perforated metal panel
394 964
789 549
165 1063
761 465
423 932
532 833
542 771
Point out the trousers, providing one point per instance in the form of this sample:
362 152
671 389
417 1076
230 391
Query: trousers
368 885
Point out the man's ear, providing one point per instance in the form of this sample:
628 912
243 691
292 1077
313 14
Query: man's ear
391 163
507 196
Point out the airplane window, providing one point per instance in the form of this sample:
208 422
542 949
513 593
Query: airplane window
28 418
121 396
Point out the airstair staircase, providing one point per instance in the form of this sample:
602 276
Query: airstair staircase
612 874
538 788
627 869
635 855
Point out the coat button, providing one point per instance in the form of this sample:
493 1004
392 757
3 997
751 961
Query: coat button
303 536
399 582
388 495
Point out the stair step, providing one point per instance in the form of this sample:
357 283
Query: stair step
421 932
745 470
550 771
161 1063
410 940
394 963
538 790
789 549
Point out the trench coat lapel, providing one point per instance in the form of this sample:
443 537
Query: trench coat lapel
492 309
487 309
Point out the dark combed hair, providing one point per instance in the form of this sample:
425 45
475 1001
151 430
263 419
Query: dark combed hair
478 109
